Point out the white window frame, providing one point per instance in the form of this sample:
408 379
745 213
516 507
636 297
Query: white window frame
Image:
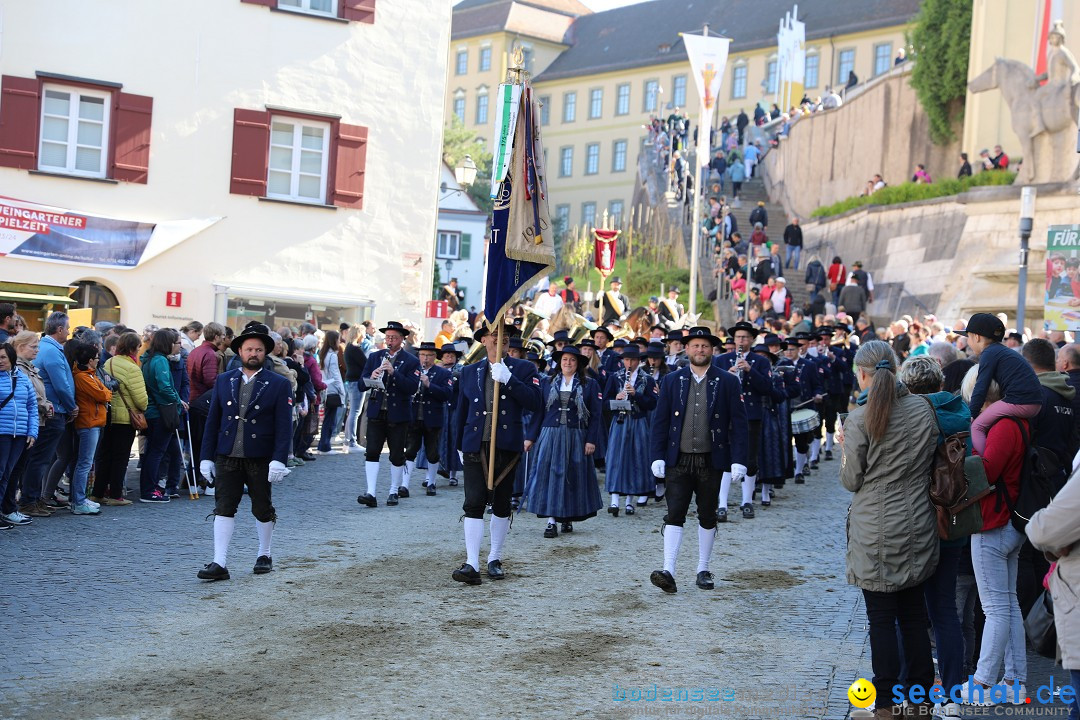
596 103
622 101
592 159
736 71
888 58
676 91
460 67
566 161
448 245
305 8
74 94
616 166
817 69
484 61
655 96
294 180
569 106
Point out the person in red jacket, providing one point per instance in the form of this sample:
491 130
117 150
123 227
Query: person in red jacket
204 362
995 553
837 278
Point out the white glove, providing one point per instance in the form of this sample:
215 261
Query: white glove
278 471
500 373
738 472
208 471
658 468
461 457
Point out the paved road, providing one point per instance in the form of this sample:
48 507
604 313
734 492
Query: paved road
105 618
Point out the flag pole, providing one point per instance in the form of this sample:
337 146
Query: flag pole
495 409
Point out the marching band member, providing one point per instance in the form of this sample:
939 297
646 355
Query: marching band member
774 466
449 462
429 412
612 304
592 362
516 348
698 428
566 433
676 354
670 311
819 345
843 355
389 410
628 471
519 391
808 374
655 361
603 338
753 373
558 341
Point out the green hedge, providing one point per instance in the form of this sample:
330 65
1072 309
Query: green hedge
910 192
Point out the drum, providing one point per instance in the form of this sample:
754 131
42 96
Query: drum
804 421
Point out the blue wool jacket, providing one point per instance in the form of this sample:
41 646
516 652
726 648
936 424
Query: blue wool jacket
55 372
19 417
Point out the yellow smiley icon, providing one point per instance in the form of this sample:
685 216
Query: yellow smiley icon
862 693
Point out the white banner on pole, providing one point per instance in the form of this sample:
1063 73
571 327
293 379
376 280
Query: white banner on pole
708 59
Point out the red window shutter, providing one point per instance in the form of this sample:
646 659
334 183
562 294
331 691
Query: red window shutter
251 152
131 137
350 157
20 103
358 10
266 3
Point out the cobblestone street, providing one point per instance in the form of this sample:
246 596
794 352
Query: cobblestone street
105 618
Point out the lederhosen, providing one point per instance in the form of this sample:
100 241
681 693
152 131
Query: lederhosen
236 469
693 473
420 431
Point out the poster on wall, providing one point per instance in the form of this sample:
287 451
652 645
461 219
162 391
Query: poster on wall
31 231
1062 299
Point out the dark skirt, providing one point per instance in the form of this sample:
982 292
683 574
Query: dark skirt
628 471
774 458
562 480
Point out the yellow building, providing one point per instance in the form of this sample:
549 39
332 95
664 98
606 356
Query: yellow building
601 76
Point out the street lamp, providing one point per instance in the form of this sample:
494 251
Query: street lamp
465 174
1027 220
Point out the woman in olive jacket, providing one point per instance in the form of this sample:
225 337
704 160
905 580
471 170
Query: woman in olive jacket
889 441
112 462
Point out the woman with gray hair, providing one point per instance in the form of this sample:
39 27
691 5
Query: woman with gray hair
888 448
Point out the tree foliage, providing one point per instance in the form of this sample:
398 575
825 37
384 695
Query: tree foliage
459 141
941 40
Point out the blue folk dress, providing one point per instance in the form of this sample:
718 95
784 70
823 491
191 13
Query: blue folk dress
449 462
628 471
774 459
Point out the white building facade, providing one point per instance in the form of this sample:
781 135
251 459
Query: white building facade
221 159
460 240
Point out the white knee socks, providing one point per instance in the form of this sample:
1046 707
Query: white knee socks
223 532
642 499
828 442
800 462
266 531
474 534
672 541
661 488
748 484
614 499
372 469
499 527
432 471
725 489
815 448
705 540
396 471
410 465
766 492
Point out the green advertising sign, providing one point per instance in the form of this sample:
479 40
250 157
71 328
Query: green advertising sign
1062 298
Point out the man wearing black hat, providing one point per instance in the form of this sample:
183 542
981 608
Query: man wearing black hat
605 355
451 295
248 432
811 394
449 356
676 354
519 392
558 341
699 428
389 410
670 311
429 404
613 304
752 371
570 296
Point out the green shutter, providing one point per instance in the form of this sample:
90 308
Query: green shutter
466 241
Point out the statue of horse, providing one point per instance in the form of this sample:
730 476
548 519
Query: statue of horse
1043 118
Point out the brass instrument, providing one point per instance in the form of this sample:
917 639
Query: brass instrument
528 327
475 352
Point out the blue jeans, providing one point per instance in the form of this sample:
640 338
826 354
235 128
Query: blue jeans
792 251
11 449
966 595
158 442
940 593
88 440
355 392
994 554
329 428
41 458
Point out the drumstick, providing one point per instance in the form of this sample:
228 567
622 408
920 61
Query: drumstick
801 404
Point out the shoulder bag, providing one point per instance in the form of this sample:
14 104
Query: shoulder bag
137 418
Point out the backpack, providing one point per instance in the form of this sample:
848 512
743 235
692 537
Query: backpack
1042 475
956 486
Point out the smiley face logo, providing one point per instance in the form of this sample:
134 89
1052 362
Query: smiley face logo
862 693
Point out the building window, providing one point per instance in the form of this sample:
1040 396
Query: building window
566 162
448 246
592 158
615 212
845 67
812 64
596 103
588 213
738 82
327 8
74 131
299 150
771 72
527 62
569 107
652 91
459 106
678 91
485 59
882 58
562 218
462 65
618 156
622 99
482 107
545 109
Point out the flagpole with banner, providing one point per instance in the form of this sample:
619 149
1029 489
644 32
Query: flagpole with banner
522 246
708 60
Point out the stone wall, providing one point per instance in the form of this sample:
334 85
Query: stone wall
829 156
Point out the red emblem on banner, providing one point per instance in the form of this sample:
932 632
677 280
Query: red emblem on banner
604 253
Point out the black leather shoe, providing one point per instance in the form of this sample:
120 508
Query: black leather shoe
748 511
495 571
766 503
799 480
309 457
642 503
567 528
704 580
630 510
452 482
721 515
813 464
430 489
663 580
551 532
828 454
613 510
392 500
263 565
403 492
368 500
467 574
213 571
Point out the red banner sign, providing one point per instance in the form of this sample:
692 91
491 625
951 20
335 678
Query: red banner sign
604 253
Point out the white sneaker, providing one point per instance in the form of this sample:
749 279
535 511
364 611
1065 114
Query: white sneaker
17 518
208 492
971 691
948 710
1010 694
92 504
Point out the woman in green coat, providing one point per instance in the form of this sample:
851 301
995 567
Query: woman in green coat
161 393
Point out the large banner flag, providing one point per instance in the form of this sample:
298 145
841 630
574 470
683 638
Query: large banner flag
522 247
31 231
1061 309
708 60
604 250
